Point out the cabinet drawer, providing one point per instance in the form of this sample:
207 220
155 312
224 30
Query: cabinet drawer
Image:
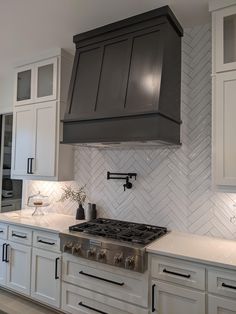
46 240
222 282
20 235
76 300
178 271
3 231
113 282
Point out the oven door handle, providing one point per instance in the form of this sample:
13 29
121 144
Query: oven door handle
103 279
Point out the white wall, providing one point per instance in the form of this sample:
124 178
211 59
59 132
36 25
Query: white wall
173 186
6 92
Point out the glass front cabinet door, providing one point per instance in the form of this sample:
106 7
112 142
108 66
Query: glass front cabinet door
36 82
225 39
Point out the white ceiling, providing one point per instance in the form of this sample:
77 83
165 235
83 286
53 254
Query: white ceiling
28 27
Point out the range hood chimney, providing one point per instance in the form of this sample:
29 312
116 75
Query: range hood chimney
125 84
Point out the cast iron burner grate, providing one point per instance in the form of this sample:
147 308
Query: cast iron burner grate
121 230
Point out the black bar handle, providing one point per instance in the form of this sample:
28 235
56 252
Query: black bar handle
1 231
3 252
176 274
19 236
46 242
56 268
31 166
100 278
91 308
28 161
228 286
153 298
6 251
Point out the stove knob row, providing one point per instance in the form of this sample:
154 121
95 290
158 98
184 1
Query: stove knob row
67 246
118 258
130 262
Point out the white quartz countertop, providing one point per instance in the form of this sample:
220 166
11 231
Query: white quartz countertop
49 222
207 250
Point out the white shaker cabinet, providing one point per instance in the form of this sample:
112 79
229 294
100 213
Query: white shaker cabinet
224 94
34 144
45 281
36 82
18 260
171 299
37 153
225 129
3 266
219 305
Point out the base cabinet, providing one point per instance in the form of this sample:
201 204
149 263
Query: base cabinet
18 260
218 305
172 299
45 281
3 266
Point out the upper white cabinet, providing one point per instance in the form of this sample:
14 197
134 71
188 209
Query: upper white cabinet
224 26
224 94
39 104
36 82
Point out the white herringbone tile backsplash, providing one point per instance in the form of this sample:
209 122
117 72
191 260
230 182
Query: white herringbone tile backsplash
173 186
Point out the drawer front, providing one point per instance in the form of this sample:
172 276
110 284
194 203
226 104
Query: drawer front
46 241
222 282
76 300
20 235
178 271
111 281
3 231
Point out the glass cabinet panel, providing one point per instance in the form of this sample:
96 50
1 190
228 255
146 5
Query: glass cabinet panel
24 85
45 80
229 40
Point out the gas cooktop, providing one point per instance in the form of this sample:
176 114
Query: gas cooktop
112 242
121 230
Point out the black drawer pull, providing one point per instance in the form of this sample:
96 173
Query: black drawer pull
153 297
6 256
45 242
19 236
56 268
228 286
1 231
100 278
176 274
91 308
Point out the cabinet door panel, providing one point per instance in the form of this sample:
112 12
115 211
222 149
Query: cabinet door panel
3 265
225 129
45 139
85 88
145 71
23 139
171 299
24 85
113 80
45 286
46 80
19 268
217 305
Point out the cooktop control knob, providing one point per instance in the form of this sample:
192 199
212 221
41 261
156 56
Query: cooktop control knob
76 248
118 258
67 246
130 262
101 255
91 253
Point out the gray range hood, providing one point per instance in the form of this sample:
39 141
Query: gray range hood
125 84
